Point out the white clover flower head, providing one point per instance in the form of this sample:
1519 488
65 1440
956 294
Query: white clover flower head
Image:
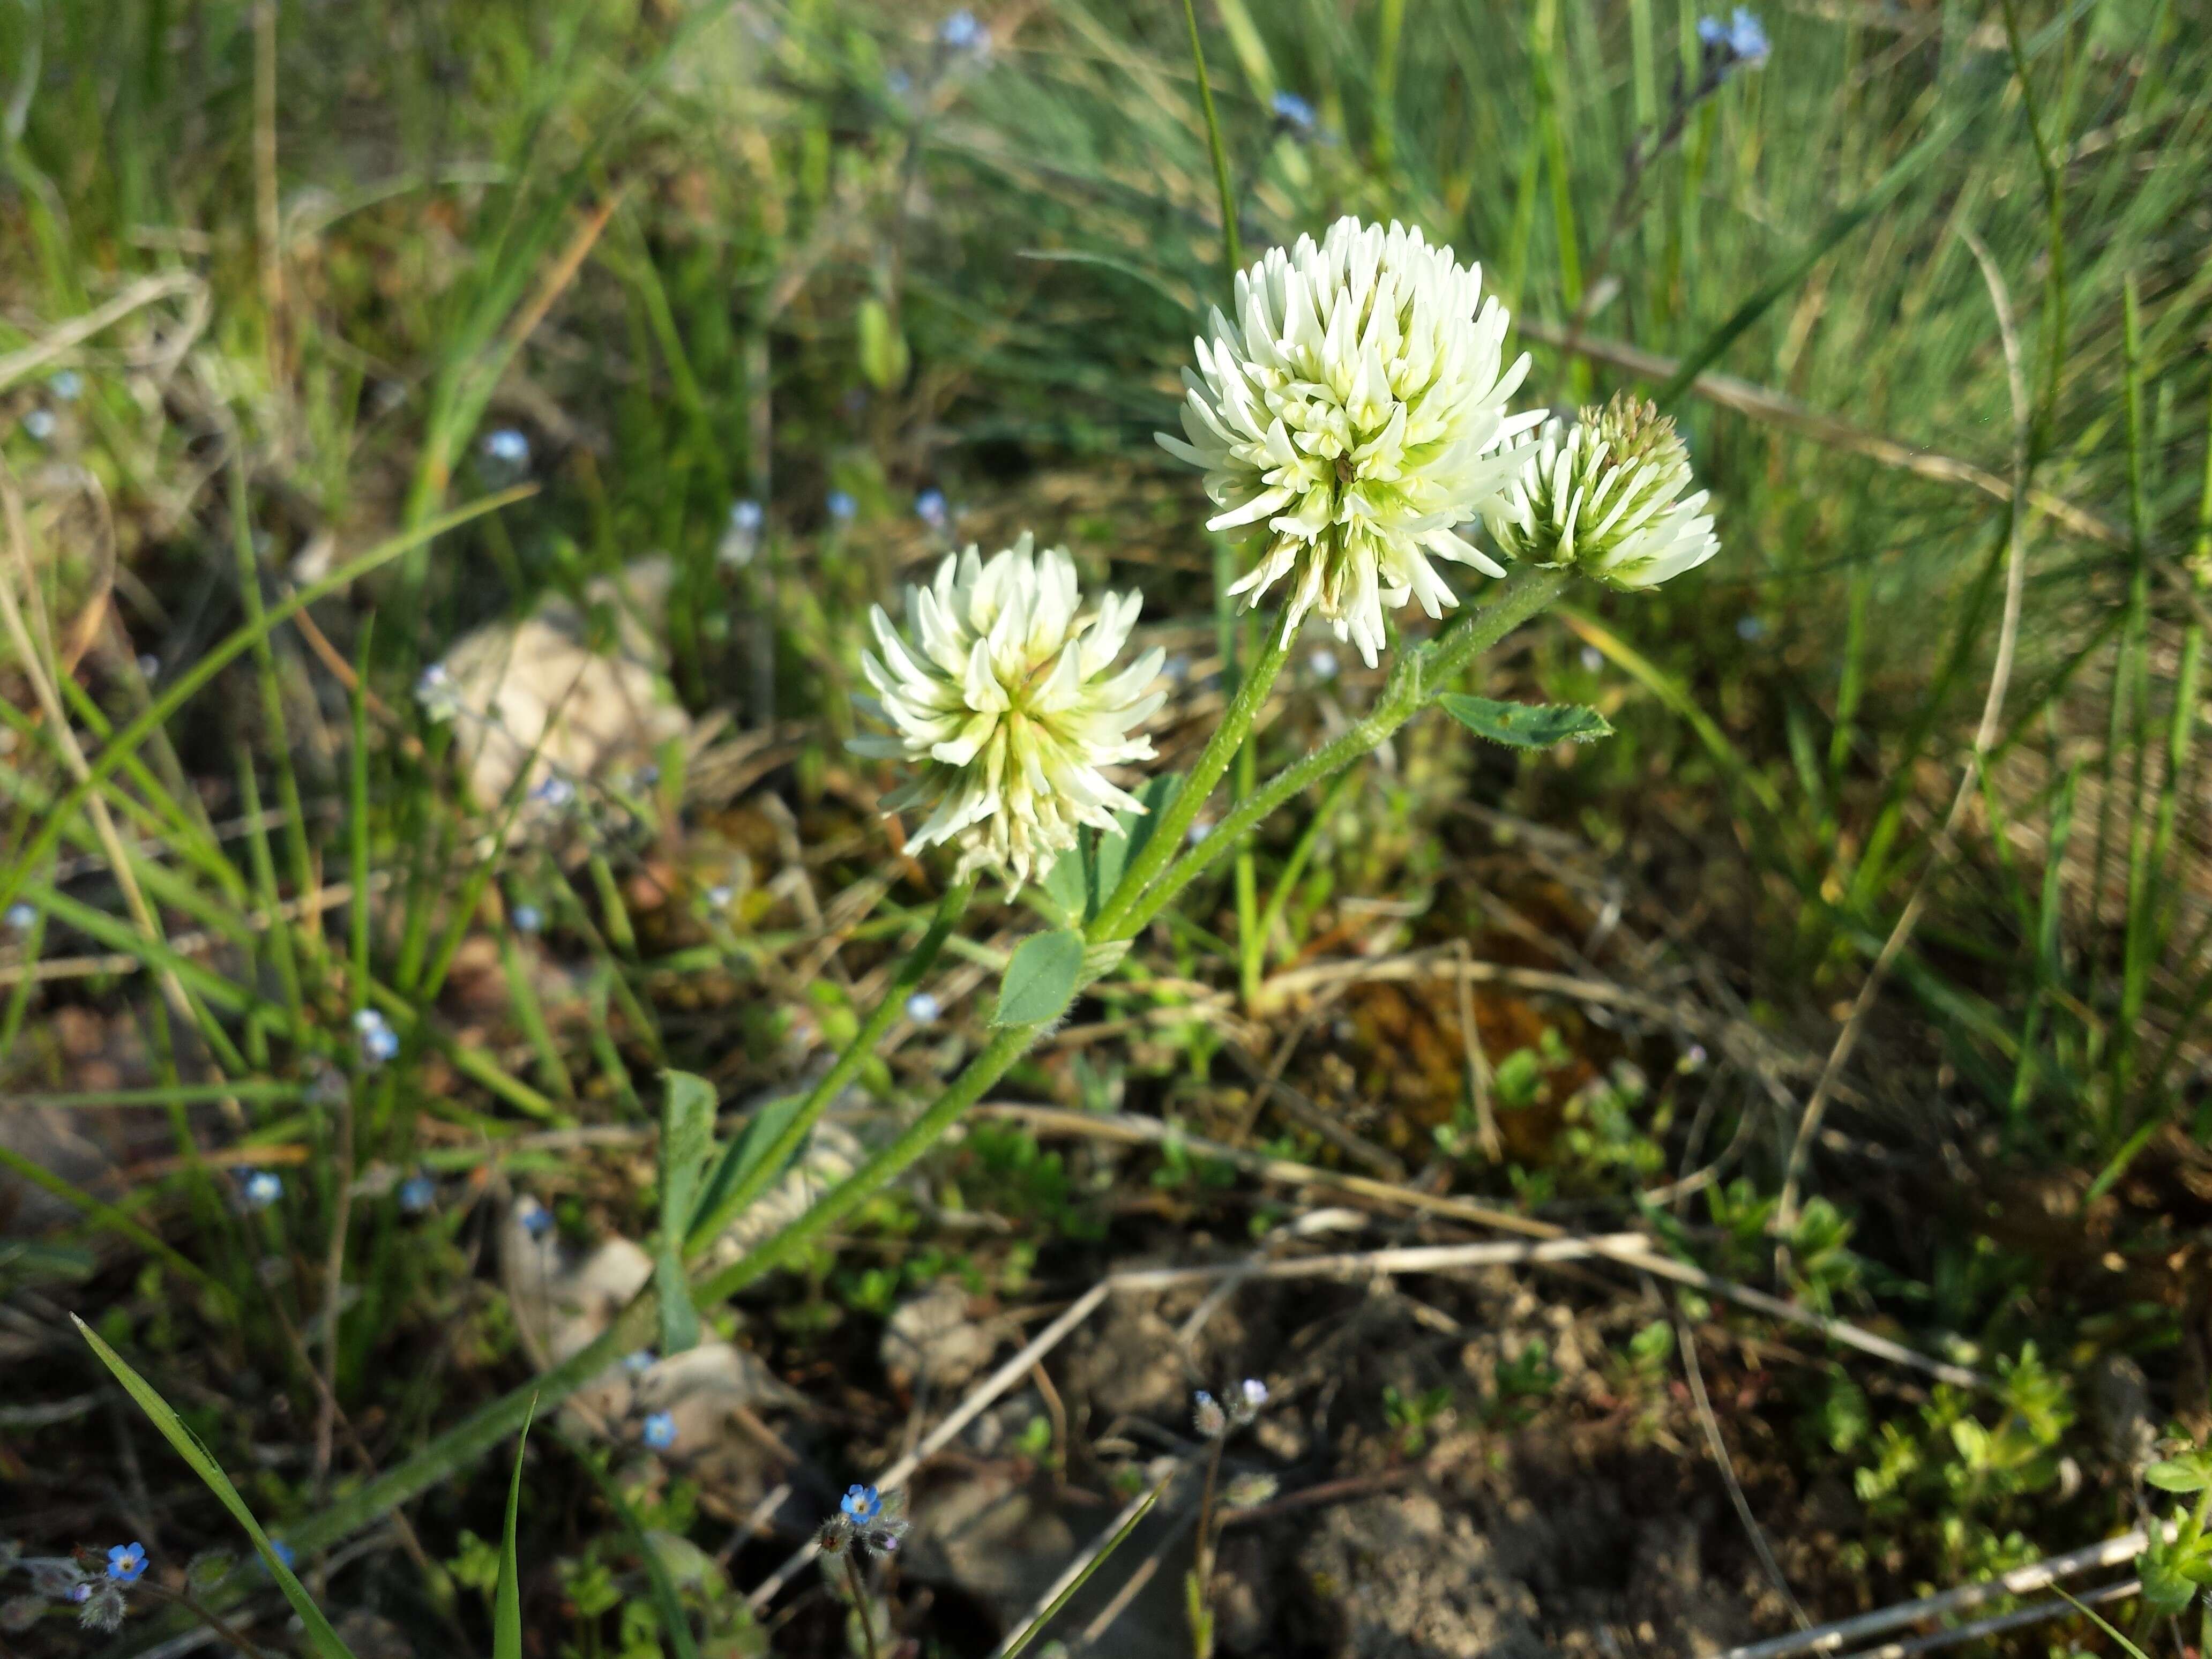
1356 408
1601 496
1001 694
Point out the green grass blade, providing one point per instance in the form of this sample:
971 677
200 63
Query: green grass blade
506 1599
321 1639
189 682
1130 1523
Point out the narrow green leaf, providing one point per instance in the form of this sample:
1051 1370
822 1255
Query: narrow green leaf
1526 725
1040 980
321 1639
687 1142
742 1155
506 1599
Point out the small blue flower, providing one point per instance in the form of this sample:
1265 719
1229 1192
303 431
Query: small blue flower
660 1431
509 448
842 506
862 1504
67 384
38 423
746 516
556 792
898 83
1750 629
1740 38
1323 664
1593 658
150 666
126 1563
719 898
921 1008
1293 110
1748 37
648 776
262 1189
537 1220
1176 668
1199 831
282 1551
376 1040
434 691
930 508
417 1194
529 918
22 918
961 32
640 1362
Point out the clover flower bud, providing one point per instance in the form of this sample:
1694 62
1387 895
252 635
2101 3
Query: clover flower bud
1001 696
1355 409
1600 497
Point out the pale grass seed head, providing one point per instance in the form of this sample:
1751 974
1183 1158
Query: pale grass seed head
1601 496
1002 693
1355 408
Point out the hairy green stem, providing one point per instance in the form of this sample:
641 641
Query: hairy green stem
765 1170
1175 824
1411 684
1524 594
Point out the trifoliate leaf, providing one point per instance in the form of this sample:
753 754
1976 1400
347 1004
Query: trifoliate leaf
1040 980
1526 725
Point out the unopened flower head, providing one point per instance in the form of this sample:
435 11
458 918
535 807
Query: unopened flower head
1356 409
1002 695
1602 496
